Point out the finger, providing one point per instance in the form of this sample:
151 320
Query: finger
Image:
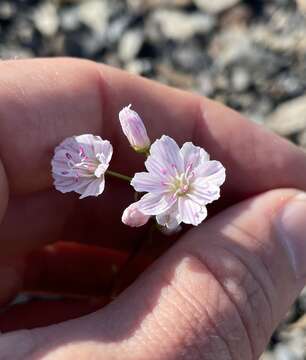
67 97
219 293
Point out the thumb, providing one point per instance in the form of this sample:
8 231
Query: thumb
218 294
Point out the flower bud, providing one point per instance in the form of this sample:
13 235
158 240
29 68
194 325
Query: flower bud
133 217
134 129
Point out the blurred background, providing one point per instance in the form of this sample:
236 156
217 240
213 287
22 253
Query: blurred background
248 54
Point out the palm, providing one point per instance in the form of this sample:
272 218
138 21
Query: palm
67 97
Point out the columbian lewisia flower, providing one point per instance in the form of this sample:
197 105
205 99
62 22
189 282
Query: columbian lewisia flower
79 164
179 183
134 129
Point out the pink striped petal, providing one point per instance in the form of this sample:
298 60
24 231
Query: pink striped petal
191 212
154 204
146 182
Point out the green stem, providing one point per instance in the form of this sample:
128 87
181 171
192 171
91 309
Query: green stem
118 175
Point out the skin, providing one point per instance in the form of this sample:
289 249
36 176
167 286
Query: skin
218 293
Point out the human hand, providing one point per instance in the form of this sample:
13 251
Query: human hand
217 294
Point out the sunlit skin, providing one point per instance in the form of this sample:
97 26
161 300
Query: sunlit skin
209 297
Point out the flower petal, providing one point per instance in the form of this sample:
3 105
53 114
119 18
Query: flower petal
193 156
204 192
134 129
191 212
170 219
103 150
94 188
213 171
75 164
147 182
133 217
165 157
155 204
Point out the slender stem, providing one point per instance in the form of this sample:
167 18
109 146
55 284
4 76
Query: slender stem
118 175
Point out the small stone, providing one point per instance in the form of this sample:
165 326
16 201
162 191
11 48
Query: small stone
190 57
139 67
179 26
70 19
94 14
289 118
14 53
302 297
240 79
206 84
302 5
46 19
7 10
215 6
145 5
283 352
230 46
267 356
130 45
117 28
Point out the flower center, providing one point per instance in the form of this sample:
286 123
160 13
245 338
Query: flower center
180 186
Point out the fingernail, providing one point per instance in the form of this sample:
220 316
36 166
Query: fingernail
292 225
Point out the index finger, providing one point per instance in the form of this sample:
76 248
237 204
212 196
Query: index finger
43 101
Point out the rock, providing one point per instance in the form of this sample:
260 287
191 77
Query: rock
7 10
215 6
240 79
175 78
139 67
14 52
190 57
69 19
130 44
230 46
117 27
145 5
206 84
179 26
94 14
302 5
289 118
302 297
267 356
284 352
46 19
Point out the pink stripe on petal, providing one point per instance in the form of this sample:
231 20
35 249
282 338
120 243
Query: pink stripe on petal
213 171
146 182
154 204
191 212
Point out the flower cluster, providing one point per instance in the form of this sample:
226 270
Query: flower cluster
178 183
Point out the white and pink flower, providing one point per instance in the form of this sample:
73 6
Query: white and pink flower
133 217
79 165
179 183
134 129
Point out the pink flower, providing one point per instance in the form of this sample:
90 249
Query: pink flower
134 129
133 217
79 165
179 183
